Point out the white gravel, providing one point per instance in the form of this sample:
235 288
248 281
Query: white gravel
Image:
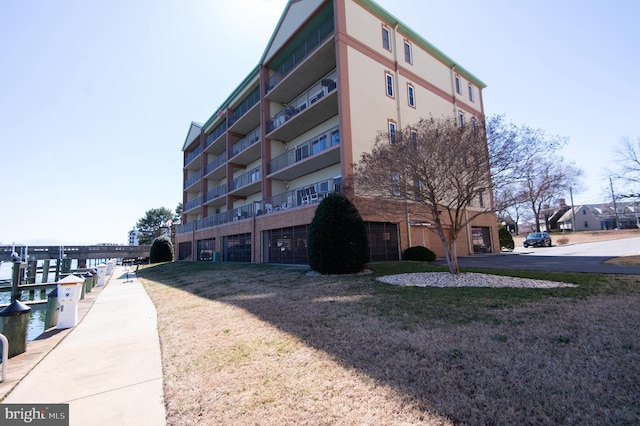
445 279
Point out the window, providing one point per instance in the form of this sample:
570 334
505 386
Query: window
481 199
389 84
392 132
461 118
407 52
471 93
458 89
395 184
414 139
473 125
586 224
411 95
386 38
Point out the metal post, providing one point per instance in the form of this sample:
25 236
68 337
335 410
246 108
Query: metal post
5 356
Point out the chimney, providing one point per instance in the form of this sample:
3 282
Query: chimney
562 202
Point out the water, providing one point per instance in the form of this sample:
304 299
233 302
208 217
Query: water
38 312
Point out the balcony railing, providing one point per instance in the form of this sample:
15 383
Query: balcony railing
217 162
246 178
302 196
192 204
310 194
246 142
245 106
192 155
193 179
305 49
217 132
314 146
301 103
216 192
184 228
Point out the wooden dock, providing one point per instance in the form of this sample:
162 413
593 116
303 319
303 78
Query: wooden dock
75 252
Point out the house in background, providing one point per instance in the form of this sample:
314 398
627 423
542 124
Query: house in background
595 217
581 218
333 75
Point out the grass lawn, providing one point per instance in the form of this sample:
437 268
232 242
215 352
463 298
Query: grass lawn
264 344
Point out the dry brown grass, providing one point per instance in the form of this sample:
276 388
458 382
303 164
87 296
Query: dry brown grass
272 346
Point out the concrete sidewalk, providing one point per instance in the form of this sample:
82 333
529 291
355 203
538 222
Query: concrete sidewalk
108 368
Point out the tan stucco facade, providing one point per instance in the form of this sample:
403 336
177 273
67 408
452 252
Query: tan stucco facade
334 74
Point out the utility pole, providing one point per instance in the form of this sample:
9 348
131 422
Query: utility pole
573 211
615 206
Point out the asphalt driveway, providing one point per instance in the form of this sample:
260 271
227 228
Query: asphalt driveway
585 257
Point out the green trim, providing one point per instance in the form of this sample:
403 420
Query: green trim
415 37
317 20
243 85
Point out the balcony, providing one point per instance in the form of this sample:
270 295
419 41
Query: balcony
191 157
214 169
185 228
302 196
314 58
247 183
313 107
216 197
192 180
190 205
316 154
215 142
247 115
247 150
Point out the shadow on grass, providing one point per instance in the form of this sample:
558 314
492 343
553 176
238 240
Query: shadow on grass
473 355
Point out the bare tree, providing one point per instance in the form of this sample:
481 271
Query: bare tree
438 169
546 180
534 173
628 162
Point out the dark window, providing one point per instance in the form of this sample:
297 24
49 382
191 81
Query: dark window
383 241
205 249
411 95
389 84
386 38
458 89
287 245
236 248
392 132
407 52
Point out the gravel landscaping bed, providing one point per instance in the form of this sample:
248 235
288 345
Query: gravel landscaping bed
445 279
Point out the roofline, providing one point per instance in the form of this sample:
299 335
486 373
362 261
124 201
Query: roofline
392 20
275 31
193 123
253 74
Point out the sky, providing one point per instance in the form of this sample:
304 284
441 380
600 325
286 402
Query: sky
96 97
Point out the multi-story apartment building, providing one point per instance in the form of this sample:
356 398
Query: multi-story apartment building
334 74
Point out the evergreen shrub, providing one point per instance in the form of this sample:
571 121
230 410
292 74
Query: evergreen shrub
506 240
161 250
337 237
419 253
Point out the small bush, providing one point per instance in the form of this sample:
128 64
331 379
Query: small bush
506 240
338 241
161 250
562 241
419 253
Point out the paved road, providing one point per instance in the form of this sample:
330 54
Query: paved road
585 257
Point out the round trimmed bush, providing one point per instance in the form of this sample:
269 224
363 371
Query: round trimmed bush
337 237
419 253
506 239
161 250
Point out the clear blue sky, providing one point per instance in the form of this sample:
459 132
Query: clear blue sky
96 97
